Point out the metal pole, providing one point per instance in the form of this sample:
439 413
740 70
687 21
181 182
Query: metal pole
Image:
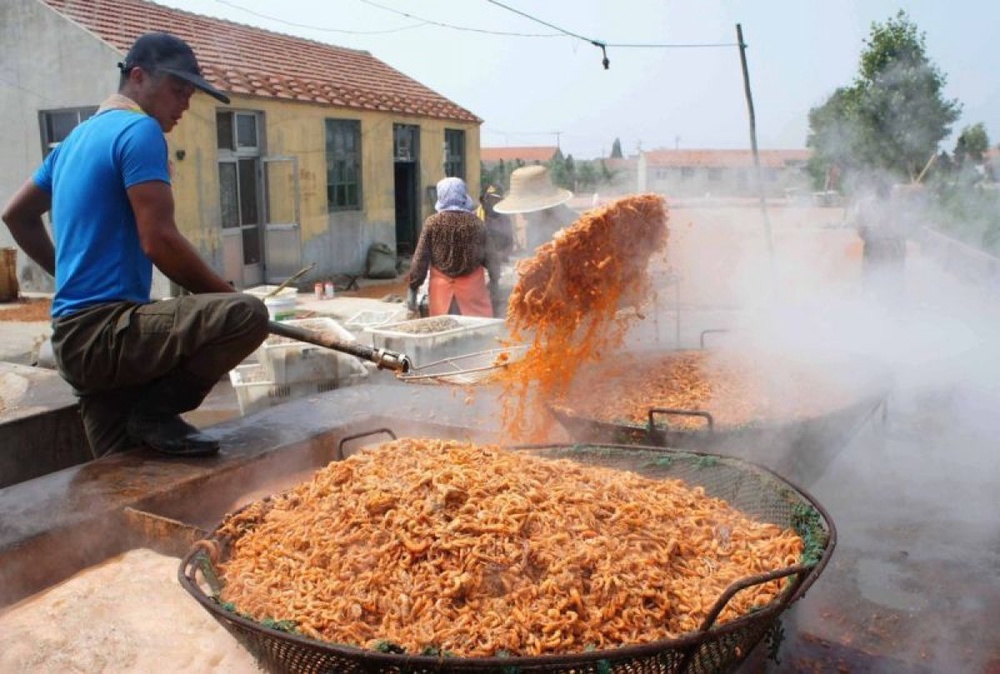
753 141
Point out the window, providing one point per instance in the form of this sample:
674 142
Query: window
404 142
56 125
454 153
236 131
343 164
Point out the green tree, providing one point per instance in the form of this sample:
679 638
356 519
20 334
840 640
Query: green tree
562 171
893 116
972 144
616 149
607 175
586 175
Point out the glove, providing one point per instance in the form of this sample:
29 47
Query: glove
411 299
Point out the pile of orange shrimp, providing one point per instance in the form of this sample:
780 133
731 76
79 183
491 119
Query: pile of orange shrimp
449 547
738 390
567 300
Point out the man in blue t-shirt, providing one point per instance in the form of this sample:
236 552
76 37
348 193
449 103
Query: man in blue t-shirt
135 364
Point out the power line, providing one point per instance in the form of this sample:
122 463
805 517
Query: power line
319 28
454 27
544 23
597 43
600 44
646 45
708 45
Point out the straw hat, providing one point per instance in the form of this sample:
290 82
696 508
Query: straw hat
531 189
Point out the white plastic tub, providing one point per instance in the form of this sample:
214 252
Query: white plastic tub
426 340
286 361
255 392
280 306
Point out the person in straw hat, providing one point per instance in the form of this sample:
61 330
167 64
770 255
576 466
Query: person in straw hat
499 226
542 204
453 248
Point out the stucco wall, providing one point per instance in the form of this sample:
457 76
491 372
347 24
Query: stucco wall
337 242
46 63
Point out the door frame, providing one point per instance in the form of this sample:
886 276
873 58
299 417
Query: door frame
282 241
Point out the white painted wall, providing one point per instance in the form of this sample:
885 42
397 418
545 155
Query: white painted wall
47 62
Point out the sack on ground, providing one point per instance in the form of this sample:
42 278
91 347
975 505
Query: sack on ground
381 261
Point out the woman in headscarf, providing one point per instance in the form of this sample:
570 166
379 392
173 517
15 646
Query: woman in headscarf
452 247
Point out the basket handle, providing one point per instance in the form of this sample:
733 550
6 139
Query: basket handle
786 598
356 436
205 555
653 411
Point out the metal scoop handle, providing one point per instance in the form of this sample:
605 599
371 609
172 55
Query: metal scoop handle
383 358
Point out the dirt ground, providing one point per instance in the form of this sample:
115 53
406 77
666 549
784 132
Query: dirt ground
26 309
35 309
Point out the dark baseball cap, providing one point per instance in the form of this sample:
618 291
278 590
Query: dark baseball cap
165 53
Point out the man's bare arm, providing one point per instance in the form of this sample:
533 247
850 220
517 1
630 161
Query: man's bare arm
23 217
162 242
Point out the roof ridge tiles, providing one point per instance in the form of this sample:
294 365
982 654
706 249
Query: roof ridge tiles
255 61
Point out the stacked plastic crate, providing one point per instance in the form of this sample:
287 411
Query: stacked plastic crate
287 369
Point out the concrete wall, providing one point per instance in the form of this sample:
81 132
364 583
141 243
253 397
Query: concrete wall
46 63
719 182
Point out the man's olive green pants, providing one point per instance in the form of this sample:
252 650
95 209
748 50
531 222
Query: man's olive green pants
118 356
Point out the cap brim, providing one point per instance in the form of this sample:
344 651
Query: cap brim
529 204
199 83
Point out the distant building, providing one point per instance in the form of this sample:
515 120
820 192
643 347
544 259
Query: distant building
323 151
729 173
519 156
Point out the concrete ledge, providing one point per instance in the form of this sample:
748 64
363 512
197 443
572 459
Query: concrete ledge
40 427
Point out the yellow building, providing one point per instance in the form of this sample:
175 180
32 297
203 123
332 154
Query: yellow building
323 151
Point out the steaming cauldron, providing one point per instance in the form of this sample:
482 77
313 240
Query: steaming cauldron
798 446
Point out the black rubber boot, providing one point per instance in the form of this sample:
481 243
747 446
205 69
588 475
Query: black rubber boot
155 420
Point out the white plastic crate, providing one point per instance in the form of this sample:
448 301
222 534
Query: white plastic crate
427 340
287 361
255 392
371 319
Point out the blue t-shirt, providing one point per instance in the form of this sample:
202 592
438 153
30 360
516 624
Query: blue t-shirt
98 256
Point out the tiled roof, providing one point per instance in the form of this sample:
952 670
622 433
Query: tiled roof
525 154
725 158
249 61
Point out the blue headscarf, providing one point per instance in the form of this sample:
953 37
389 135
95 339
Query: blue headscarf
452 196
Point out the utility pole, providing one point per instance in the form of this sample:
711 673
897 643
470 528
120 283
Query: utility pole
753 141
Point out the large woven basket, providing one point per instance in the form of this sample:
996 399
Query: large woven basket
713 647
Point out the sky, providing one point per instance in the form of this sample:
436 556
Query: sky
539 86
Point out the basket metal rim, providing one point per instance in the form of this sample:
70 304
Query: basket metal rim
722 432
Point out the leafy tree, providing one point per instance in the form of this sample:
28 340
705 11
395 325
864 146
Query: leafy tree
893 116
616 149
586 175
562 171
607 175
833 133
972 143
